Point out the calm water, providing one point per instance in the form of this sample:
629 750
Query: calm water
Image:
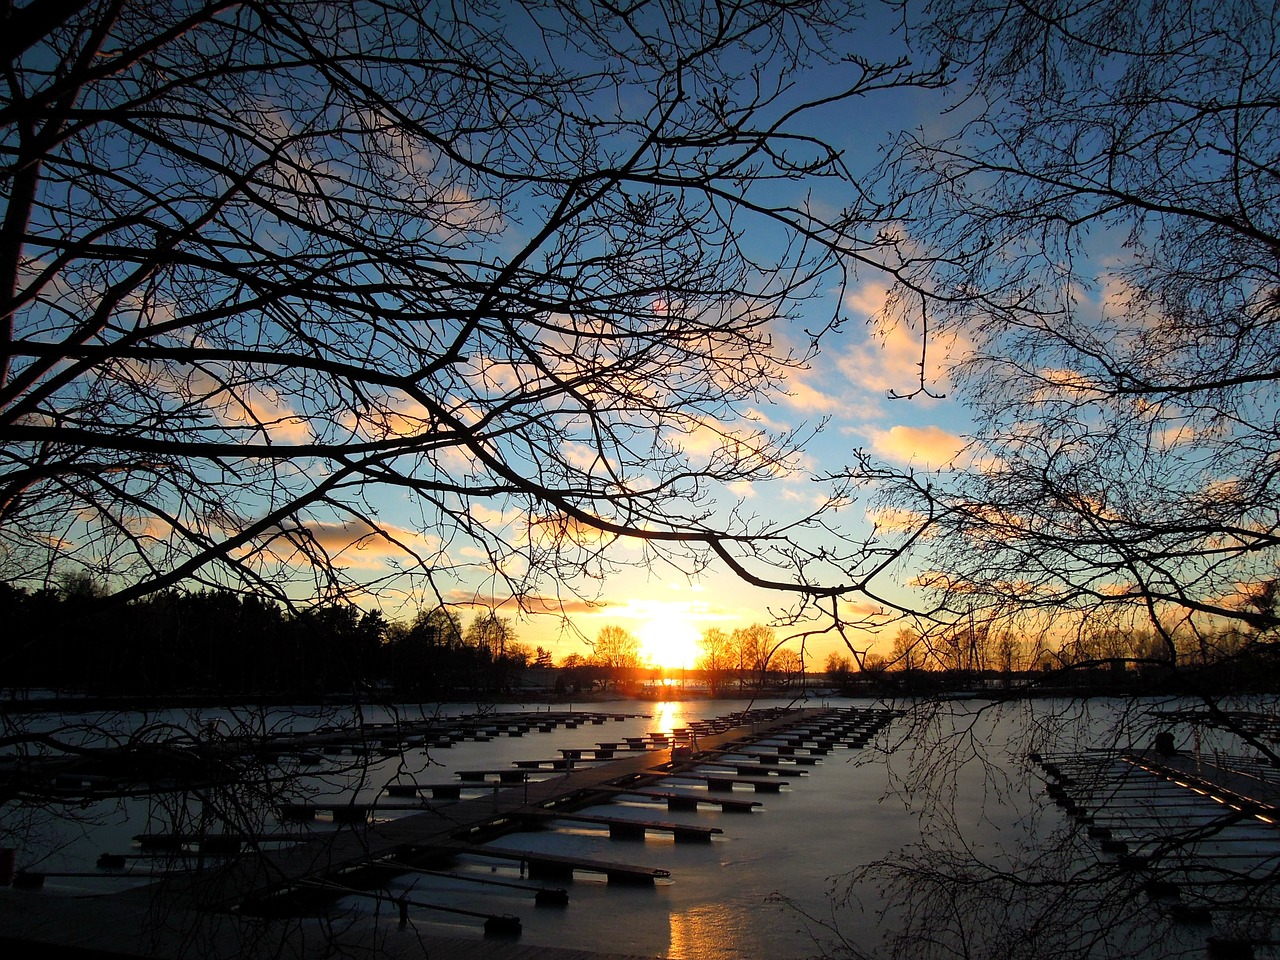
722 900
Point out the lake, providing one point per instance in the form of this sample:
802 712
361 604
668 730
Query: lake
937 792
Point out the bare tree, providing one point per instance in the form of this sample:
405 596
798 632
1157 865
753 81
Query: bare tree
1096 238
616 649
272 266
490 633
788 664
716 656
753 649
1100 238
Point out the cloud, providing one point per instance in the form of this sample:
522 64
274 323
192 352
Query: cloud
1119 588
922 446
487 516
558 529
891 358
748 449
458 210
808 399
701 440
247 409
530 603
646 609
1117 293
392 417
896 519
358 543
867 300
864 611
581 456
941 580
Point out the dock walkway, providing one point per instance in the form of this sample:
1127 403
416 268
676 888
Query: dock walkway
473 821
209 910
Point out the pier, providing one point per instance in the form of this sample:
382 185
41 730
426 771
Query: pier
286 876
1196 834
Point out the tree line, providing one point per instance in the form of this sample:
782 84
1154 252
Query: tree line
220 642
211 642
1097 657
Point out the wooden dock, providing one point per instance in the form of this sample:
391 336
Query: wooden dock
1197 834
285 883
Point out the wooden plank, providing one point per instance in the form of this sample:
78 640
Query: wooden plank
626 827
690 801
505 775
542 865
747 769
558 763
718 781
767 756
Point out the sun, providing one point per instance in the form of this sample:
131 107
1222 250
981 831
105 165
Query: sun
668 640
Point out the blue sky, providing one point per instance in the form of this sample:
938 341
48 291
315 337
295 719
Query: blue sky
847 387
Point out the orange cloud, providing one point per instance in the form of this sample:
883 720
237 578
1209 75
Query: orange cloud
532 603
924 446
809 399
393 417
357 543
896 519
890 360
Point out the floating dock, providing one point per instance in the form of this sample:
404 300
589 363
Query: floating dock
287 883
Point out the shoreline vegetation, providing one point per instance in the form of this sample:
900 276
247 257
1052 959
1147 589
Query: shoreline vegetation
1105 680
217 647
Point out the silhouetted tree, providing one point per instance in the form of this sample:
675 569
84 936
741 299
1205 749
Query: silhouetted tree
616 653
753 647
1101 239
715 656
490 634
1093 236
499 261
840 671
788 666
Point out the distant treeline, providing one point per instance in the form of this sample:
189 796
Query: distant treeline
220 642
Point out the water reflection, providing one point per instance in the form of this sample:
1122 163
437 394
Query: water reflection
667 715
709 930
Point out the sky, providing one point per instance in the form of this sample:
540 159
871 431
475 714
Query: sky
848 386
461 225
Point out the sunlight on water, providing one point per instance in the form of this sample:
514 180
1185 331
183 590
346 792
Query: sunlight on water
669 714
707 931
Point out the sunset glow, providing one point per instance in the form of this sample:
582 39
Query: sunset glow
668 640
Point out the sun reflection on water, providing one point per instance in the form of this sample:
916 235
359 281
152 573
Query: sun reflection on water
706 932
668 715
